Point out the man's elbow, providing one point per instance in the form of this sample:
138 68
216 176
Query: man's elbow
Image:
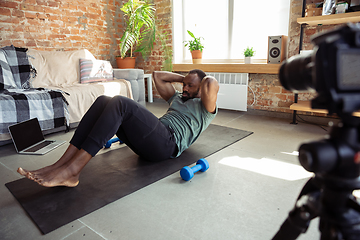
154 74
210 84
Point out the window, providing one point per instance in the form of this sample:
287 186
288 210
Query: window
228 27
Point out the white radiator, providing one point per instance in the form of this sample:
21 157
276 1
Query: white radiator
233 90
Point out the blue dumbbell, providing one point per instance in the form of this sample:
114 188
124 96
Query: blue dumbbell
111 141
187 173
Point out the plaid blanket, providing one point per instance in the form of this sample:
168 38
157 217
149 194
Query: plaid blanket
15 68
20 102
48 106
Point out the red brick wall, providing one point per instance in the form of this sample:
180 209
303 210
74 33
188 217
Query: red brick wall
62 25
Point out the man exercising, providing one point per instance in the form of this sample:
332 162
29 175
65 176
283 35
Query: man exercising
152 138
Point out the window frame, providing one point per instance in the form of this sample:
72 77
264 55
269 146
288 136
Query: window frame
179 36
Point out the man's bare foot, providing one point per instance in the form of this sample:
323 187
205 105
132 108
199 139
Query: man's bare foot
57 177
65 158
65 172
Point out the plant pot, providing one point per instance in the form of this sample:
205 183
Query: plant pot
196 56
247 60
127 62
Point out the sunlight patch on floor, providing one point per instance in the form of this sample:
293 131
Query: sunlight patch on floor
294 153
356 193
268 167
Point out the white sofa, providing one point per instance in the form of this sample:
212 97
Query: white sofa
59 70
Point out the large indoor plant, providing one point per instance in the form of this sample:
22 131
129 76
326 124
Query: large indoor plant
196 47
139 33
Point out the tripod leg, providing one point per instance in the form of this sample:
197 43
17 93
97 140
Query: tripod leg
340 217
288 231
306 209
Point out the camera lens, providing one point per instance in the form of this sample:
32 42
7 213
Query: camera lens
295 73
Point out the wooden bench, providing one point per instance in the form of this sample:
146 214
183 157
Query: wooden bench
306 107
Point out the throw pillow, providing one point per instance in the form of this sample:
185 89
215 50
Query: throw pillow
95 71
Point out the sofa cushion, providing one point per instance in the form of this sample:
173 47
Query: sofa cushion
14 68
95 71
136 79
57 68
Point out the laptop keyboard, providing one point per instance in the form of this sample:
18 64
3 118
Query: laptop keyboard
39 146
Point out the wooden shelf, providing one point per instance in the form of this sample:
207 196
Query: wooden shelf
229 67
330 19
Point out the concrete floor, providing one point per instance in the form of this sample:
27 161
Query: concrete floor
246 194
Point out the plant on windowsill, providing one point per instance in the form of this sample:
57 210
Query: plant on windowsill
248 53
139 33
195 46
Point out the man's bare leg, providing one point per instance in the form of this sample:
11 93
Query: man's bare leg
68 154
66 174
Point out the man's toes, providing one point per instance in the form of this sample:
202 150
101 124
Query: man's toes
31 176
22 171
39 181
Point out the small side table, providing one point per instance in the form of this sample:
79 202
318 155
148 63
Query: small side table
149 87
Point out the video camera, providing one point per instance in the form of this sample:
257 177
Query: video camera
333 70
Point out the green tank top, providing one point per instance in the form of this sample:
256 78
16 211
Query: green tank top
187 120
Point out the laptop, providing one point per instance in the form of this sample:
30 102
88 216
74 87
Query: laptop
29 139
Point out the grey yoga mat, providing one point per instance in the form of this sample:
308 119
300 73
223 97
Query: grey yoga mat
109 177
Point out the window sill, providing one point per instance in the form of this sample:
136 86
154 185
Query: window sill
229 67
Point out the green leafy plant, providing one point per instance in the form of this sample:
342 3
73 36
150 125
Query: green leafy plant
249 52
139 33
194 44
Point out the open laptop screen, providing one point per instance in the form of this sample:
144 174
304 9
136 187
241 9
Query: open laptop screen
26 133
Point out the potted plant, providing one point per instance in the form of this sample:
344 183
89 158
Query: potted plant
248 53
139 33
195 46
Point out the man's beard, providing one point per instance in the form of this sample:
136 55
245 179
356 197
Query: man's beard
186 96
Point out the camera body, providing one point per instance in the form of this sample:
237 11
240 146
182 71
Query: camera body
332 70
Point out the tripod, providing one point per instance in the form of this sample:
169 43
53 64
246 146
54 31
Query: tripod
328 195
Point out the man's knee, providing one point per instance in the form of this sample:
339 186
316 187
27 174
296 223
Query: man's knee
103 99
100 102
120 98
124 102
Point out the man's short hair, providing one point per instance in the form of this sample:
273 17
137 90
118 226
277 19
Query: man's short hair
199 72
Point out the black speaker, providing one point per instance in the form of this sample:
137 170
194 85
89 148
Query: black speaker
277 49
